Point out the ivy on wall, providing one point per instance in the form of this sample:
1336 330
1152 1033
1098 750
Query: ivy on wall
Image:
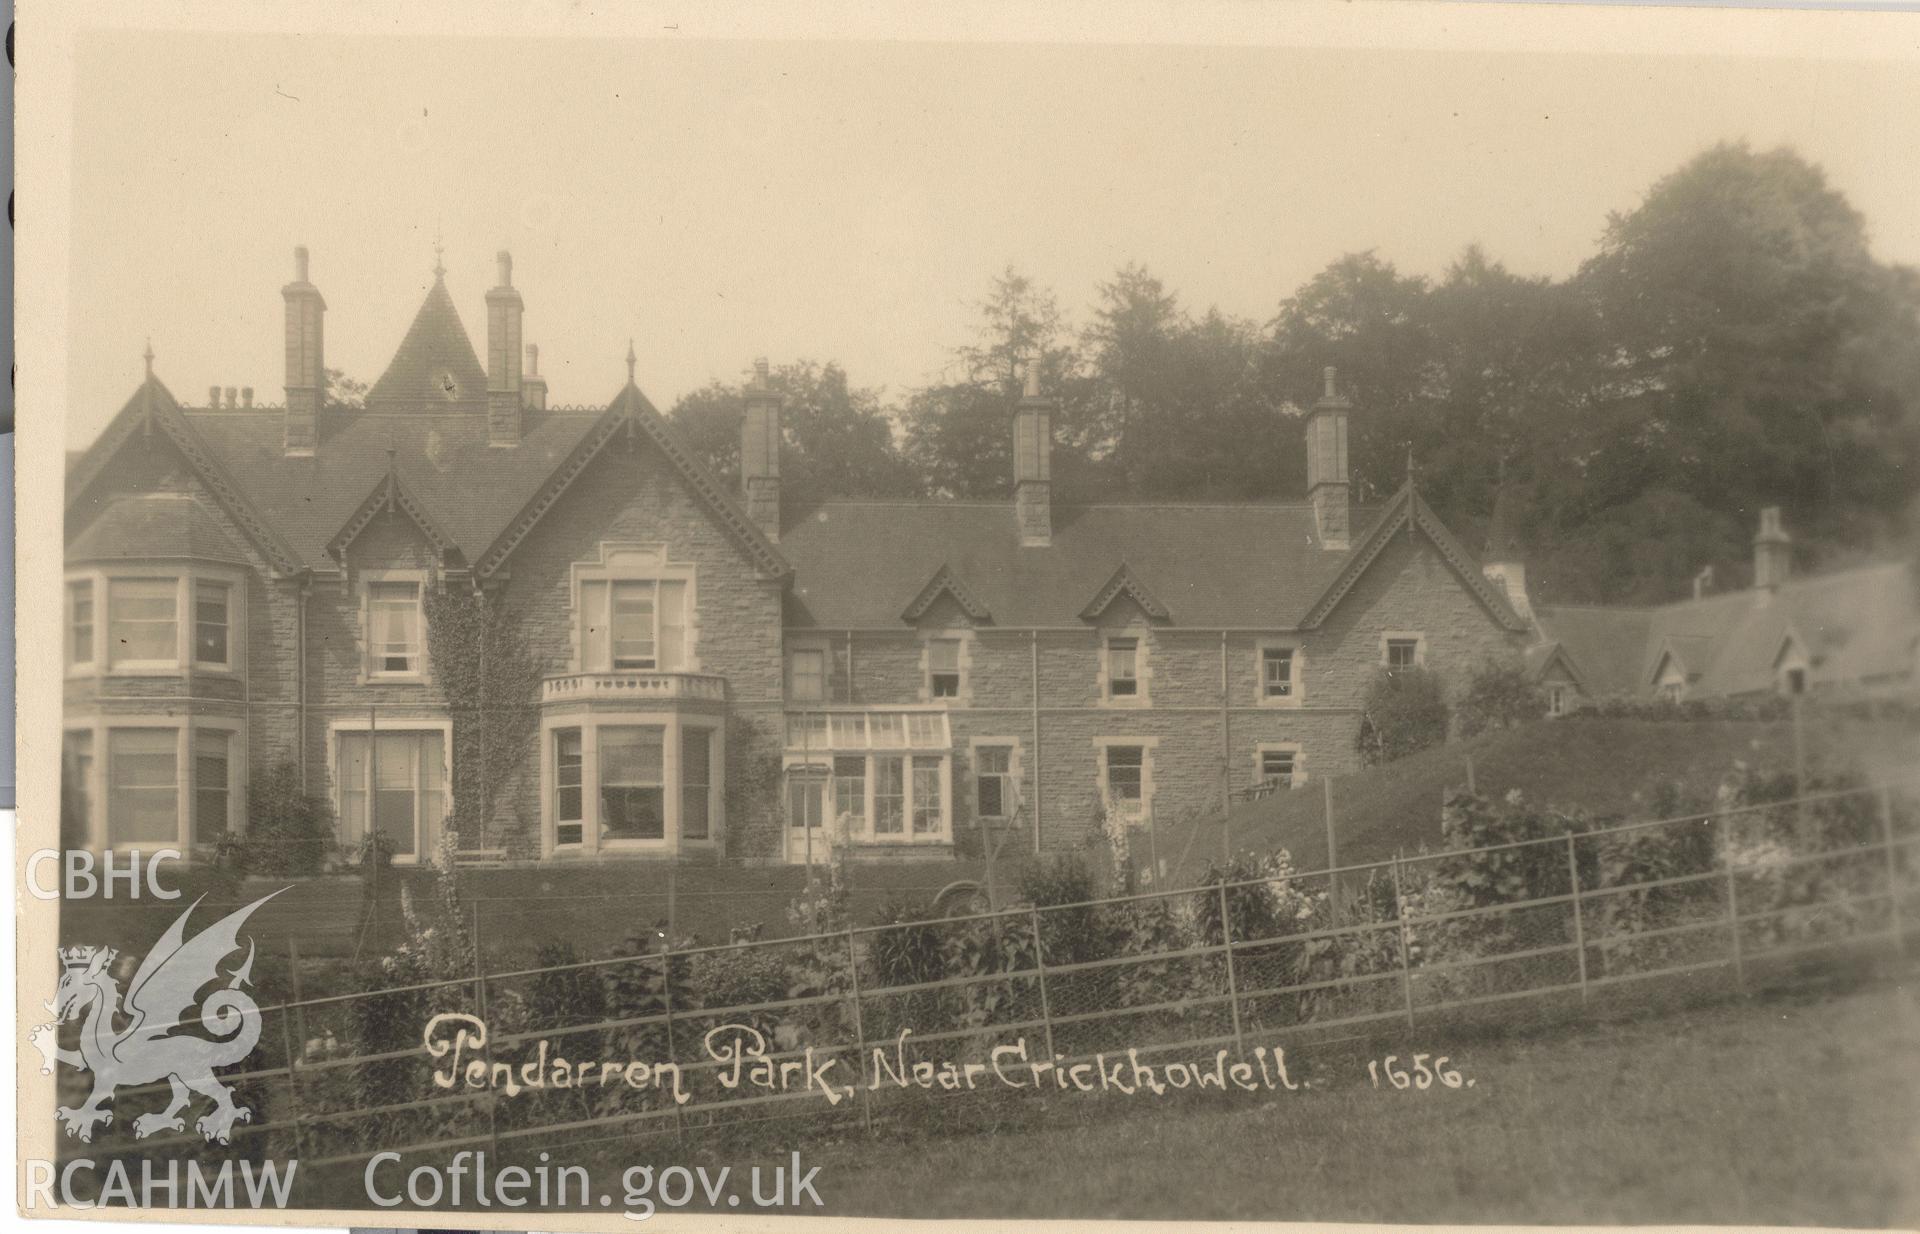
491 681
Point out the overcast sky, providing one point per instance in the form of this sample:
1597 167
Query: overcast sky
850 201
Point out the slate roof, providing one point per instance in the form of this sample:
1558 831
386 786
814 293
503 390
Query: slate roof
1854 624
148 526
435 368
858 563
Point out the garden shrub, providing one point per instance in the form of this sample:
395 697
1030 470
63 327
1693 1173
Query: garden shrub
289 832
1405 712
1500 695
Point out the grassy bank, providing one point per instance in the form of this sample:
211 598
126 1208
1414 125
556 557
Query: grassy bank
1788 1110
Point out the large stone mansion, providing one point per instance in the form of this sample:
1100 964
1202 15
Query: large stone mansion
722 673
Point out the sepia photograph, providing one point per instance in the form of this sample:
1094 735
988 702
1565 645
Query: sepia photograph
1305 615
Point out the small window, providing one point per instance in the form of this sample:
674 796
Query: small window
143 786
1123 668
1402 653
568 766
927 794
76 783
993 781
1556 700
1126 781
1276 672
1276 768
633 783
211 609
80 622
889 795
696 783
1796 680
212 786
807 675
393 616
943 668
1673 691
143 620
850 792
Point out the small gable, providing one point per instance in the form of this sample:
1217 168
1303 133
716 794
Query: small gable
1124 583
390 497
1409 513
945 596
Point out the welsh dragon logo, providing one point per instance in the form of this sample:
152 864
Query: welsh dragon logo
140 1042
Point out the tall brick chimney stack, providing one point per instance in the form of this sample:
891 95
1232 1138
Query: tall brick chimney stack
306 359
760 438
1033 463
1327 483
1772 555
504 311
533 387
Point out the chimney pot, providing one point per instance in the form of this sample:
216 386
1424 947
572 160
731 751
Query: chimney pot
506 268
1331 376
233 397
300 263
213 398
1033 380
760 371
246 396
533 359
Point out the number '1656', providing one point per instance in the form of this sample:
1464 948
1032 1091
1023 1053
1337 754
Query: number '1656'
1422 1076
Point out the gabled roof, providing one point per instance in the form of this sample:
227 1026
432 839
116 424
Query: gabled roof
1248 565
1540 658
155 526
1407 510
631 412
435 368
1124 582
945 583
1688 651
391 494
153 409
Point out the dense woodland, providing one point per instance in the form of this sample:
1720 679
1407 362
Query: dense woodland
1732 343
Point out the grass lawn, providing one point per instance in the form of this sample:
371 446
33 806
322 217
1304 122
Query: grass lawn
1789 1110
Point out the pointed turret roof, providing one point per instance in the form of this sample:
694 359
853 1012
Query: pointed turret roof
435 370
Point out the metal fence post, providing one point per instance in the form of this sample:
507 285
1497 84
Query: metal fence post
1406 966
1733 901
666 1002
1579 927
859 1032
1233 985
480 997
1895 919
293 1080
1040 966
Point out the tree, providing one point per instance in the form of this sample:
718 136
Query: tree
1765 356
838 437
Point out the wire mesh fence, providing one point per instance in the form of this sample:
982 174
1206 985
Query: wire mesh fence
846 1026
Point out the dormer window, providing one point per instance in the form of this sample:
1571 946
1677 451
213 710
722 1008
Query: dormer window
394 647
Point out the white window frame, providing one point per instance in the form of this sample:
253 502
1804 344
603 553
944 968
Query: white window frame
1671 684
185 577
1265 748
672 839
1011 793
98 831
1557 701
1142 671
428 831
1102 746
623 561
1298 678
70 647
872 748
1416 637
962 641
369 656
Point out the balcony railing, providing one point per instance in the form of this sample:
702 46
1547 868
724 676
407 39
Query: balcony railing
634 686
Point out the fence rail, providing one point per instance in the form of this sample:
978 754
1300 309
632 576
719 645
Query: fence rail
1160 971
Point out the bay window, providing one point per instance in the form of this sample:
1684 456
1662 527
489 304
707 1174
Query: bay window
159 783
131 620
643 782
